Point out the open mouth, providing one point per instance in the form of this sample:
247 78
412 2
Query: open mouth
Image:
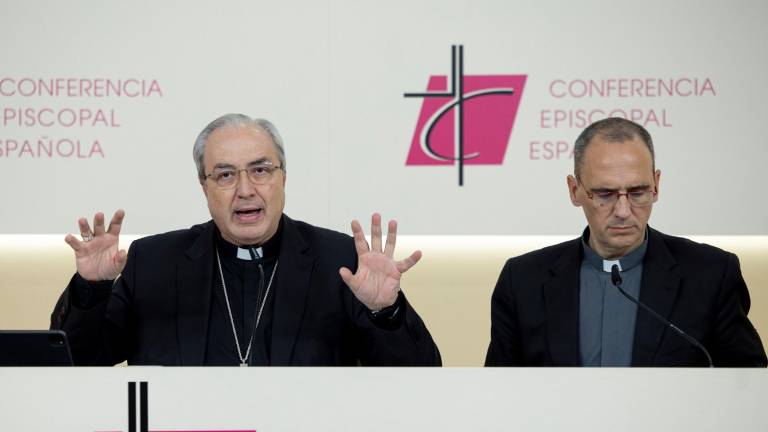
248 214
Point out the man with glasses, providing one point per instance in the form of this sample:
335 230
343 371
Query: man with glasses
251 287
558 306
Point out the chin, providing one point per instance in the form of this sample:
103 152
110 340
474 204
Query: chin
626 242
241 236
250 239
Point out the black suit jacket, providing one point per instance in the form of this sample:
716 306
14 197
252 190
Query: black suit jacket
157 311
699 288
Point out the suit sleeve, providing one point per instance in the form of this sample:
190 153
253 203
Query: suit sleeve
504 348
407 342
403 340
95 317
736 340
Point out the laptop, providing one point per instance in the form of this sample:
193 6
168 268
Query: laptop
34 348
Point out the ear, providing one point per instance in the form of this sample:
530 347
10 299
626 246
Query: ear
204 186
573 188
285 175
657 179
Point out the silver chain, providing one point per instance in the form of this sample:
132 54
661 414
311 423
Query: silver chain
244 359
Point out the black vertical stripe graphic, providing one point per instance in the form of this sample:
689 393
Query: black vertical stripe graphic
131 407
144 413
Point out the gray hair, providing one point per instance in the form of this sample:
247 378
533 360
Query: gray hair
613 130
229 120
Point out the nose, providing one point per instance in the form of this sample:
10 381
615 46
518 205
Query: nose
245 187
622 209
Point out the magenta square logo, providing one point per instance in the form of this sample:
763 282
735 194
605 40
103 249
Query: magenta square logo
467 120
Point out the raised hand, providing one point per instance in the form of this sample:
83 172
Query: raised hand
377 280
97 256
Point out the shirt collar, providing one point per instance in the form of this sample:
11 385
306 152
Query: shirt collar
268 249
627 262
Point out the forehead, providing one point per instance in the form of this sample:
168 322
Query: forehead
624 163
239 145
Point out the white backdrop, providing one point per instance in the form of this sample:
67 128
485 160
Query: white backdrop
332 75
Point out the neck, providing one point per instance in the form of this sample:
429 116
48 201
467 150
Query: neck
612 253
267 248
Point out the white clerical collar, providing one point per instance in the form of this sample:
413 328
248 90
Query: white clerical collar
608 265
625 263
245 254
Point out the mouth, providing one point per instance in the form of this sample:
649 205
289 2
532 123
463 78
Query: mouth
621 229
248 214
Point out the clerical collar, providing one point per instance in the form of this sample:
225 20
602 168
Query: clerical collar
268 249
627 262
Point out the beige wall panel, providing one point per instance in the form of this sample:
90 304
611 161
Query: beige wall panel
450 287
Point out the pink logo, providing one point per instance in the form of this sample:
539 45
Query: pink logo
482 112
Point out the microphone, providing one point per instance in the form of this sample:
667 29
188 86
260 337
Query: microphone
253 253
616 279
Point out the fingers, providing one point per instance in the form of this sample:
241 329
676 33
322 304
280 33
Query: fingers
347 277
98 224
404 265
361 244
120 259
389 247
116 223
73 242
376 233
85 229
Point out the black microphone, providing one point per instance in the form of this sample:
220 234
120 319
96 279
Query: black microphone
616 279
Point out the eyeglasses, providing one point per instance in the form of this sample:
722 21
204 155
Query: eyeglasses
636 197
259 174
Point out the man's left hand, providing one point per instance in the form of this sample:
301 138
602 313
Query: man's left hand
377 281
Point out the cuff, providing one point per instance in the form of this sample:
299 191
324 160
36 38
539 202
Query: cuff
391 317
86 295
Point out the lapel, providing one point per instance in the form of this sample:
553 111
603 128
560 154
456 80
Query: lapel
292 283
193 297
561 297
658 290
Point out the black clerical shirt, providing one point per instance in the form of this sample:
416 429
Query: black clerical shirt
247 271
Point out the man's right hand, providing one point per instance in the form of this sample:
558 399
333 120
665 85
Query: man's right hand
97 256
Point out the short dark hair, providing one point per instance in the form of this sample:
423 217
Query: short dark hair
612 129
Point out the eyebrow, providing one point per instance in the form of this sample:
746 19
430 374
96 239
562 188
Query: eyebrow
260 161
628 188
